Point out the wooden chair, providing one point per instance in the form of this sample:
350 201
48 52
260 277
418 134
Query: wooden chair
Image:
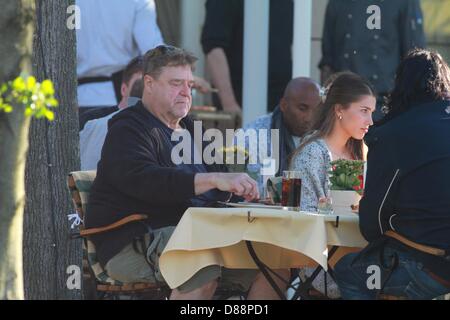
98 283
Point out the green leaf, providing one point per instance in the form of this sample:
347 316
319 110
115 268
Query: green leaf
49 115
28 112
3 88
18 84
52 102
40 113
344 174
31 82
6 108
47 88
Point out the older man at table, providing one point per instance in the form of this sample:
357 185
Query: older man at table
136 174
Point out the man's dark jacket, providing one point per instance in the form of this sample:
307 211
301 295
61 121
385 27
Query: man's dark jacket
136 175
408 177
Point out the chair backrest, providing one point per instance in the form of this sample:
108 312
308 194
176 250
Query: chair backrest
80 183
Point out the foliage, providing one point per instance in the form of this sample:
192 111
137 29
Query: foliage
36 97
235 158
347 175
232 154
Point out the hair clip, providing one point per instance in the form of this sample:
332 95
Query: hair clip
323 93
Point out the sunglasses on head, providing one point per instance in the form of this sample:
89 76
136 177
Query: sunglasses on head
162 50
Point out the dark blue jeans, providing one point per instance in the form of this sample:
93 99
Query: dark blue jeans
361 280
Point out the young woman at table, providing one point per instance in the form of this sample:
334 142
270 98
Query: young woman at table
337 132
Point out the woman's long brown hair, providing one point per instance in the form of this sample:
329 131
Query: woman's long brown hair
343 89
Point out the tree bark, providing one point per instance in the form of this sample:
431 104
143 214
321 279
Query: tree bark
53 153
15 51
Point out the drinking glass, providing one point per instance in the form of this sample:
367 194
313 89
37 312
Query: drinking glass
325 205
291 189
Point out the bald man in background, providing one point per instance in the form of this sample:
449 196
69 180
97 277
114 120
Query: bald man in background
292 117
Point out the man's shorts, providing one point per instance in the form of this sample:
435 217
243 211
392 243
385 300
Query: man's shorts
130 266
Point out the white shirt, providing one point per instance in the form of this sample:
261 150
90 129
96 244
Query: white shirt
93 136
112 32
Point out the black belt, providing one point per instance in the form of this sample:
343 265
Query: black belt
86 80
115 78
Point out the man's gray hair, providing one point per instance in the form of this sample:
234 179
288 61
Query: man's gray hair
166 56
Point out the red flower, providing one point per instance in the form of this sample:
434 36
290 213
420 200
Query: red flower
361 179
361 184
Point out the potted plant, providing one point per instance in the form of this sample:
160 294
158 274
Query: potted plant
347 185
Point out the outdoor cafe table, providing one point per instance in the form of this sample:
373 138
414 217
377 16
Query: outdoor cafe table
281 238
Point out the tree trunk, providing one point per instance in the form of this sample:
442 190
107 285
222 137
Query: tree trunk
15 51
53 153
13 148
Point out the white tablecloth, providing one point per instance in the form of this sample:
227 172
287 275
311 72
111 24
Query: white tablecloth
282 239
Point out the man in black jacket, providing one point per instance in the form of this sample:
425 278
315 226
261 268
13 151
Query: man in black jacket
136 174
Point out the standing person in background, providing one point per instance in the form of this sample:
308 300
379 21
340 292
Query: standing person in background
222 42
112 33
370 38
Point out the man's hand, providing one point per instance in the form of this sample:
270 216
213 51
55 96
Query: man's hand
233 108
238 183
202 86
